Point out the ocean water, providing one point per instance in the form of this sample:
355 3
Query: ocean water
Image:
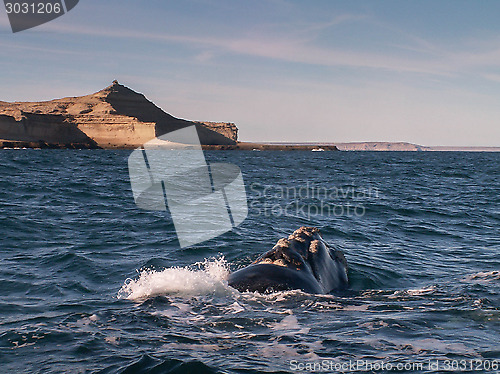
92 284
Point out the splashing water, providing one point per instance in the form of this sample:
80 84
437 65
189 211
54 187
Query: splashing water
209 276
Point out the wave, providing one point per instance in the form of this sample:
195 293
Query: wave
207 277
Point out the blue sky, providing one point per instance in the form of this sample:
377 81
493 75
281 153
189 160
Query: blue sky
425 72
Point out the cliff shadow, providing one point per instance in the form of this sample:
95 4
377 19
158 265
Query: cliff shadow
130 103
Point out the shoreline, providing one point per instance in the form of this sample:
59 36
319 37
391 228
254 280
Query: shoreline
242 146
252 146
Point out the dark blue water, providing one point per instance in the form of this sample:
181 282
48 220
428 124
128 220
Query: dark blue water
90 283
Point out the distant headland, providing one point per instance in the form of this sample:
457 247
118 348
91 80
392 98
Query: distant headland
119 118
115 117
397 147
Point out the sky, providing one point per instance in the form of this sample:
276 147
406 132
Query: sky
425 72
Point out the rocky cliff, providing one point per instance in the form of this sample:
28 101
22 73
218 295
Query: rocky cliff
115 117
228 129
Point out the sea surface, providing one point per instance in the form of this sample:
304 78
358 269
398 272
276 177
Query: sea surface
89 283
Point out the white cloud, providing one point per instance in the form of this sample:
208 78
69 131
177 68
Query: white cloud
432 58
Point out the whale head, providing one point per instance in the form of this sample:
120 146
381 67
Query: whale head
301 261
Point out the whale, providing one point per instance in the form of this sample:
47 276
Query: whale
303 261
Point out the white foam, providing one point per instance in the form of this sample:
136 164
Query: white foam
420 291
411 292
484 276
203 278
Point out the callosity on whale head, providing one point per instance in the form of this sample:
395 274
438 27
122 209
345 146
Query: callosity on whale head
302 261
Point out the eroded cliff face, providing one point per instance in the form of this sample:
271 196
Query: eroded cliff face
115 117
